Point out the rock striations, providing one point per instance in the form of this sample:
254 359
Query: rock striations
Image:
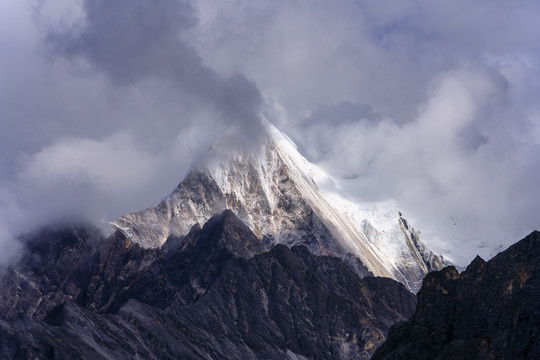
286 200
215 293
489 311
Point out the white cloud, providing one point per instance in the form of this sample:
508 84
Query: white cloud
114 164
452 168
97 179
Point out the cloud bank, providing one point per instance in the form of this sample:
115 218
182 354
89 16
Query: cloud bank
106 104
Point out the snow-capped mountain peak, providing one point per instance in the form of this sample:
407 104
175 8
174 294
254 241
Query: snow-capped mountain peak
285 199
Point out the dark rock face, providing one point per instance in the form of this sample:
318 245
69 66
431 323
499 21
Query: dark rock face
214 294
489 311
53 271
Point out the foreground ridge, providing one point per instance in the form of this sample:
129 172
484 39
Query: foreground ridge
215 293
489 311
286 200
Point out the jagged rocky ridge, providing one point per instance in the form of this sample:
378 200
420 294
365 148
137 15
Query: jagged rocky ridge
489 311
215 293
286 200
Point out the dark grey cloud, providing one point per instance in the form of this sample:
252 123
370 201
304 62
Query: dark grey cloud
132 40
342 112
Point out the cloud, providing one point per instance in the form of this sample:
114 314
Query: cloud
99 179
11 247
133 40
360 51
453 168
106 163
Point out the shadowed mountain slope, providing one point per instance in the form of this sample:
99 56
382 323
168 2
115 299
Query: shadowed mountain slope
489 311
214 294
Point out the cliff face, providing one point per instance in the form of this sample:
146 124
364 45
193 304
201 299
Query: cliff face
489 311
215 293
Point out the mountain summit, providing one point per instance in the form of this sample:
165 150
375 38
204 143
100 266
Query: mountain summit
285 199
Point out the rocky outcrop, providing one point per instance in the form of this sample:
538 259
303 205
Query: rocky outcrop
214 294
489 311
53 270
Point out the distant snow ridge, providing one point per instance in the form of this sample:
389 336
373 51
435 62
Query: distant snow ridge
285 199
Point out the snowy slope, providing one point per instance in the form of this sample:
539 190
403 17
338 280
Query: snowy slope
286 199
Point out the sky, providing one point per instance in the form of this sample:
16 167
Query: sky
106 104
